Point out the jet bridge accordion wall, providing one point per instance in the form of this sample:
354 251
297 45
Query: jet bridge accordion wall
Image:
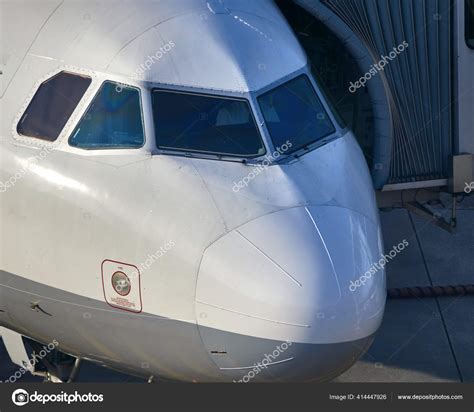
416 83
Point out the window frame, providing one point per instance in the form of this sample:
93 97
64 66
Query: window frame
98 89
41 140
323 102
468 23
202 154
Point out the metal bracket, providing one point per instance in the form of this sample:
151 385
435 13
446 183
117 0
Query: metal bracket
436 218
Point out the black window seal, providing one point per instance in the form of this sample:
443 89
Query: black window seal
90 105
208 155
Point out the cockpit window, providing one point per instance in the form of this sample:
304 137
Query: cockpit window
112 121
53 105
293 112
196 123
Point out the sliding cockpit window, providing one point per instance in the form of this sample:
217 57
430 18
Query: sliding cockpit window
52 106
293 113
211 125
112 121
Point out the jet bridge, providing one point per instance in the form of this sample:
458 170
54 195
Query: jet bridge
398 71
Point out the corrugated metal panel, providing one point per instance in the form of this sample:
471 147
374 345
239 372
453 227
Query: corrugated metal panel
418 79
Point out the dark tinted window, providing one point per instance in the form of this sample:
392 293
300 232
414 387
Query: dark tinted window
294 113
52 105
330 100
205 124
112 121
470 23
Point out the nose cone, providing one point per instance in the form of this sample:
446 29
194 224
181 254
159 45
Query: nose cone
286 276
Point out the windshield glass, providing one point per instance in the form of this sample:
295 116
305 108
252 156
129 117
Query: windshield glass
205 124
294 113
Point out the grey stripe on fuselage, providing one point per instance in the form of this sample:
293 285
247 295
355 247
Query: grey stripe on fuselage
142 344
145 344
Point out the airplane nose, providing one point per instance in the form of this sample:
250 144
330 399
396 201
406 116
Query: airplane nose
286 277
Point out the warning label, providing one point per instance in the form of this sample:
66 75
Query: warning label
121 285
125 303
